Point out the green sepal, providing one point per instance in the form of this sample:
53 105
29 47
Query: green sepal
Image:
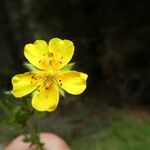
68 67
30 67
61 92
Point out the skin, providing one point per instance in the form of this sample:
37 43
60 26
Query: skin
51 142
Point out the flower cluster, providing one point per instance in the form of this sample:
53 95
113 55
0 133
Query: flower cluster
49 74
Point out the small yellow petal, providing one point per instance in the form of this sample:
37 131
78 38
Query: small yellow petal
73 82
37 54
24 84
62 50
46 97
83 76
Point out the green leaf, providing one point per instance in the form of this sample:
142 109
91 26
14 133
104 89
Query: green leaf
38 114
22 114
34 140
7 122
9 105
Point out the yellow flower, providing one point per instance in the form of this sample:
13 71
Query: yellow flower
50 75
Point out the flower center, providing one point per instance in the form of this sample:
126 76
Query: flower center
51 76
51 72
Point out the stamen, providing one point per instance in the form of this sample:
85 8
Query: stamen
46 88
36 77
50 62
50 54
48 84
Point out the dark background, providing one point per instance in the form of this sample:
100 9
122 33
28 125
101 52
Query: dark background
111 39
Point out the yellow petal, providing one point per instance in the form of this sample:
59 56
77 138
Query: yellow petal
73 82
24 84
46 97
62 52
38 54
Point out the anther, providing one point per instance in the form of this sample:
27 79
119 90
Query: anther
50 54
46 88
50 62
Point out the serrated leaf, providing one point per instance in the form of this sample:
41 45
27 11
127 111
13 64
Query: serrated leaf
34 139
22 116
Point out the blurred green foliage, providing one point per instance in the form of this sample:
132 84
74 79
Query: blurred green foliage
118 133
